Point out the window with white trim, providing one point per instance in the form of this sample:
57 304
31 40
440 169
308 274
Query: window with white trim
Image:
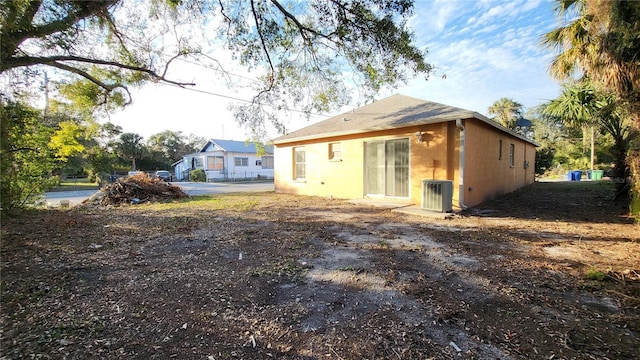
241 161
300 165
215 163
267 162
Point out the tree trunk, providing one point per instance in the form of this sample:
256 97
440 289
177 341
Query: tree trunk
633 191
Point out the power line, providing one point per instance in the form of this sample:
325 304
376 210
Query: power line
237 99
211 68
236 75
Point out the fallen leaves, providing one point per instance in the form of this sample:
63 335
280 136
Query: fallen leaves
229 277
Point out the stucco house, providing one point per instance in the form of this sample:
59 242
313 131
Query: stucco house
405 149
227 160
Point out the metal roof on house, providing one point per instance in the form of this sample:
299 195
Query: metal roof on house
236 146
396 111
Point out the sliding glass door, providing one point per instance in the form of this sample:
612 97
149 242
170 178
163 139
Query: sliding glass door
387 168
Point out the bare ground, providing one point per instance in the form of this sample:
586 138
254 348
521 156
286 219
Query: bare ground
547 272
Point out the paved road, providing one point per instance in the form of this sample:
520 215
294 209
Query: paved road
74 197
192 189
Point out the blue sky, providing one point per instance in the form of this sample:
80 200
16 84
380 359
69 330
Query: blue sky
487 50
482 51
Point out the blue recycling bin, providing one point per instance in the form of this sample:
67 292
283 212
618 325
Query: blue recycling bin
576 175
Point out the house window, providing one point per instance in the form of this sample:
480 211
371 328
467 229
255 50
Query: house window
299 159
512 150
196 163
267 162
241 161
500 151
335 151
215 163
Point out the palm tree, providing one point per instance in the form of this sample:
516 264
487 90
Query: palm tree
506 111
576 106
130 147
601 42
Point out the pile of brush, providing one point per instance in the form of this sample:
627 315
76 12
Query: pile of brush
136 189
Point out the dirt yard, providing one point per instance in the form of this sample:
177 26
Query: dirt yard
548 272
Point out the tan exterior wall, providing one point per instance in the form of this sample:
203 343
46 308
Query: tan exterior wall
433 158
487 170
324 177
437 157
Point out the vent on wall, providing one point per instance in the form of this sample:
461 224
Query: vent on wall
437 195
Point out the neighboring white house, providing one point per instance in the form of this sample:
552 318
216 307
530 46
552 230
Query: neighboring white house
227 160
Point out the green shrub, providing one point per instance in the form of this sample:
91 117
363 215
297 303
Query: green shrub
198 175
26 162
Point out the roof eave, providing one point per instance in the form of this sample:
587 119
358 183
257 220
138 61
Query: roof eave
500 127
435 120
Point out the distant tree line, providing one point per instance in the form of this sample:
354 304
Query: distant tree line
39 147
582 129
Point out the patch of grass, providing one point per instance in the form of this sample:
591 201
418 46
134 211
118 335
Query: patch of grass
76 184
595 274
284 268
190 202
347 268
208 203
384 244
228 202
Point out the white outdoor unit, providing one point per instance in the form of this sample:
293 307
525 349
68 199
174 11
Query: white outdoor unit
437 195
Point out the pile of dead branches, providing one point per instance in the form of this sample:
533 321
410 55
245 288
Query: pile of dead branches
135 189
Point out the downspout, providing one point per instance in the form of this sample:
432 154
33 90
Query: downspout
460 125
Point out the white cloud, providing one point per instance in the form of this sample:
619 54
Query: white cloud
530 5
431 18
500 11
487 29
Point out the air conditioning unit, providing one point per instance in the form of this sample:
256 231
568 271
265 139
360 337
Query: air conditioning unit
437 195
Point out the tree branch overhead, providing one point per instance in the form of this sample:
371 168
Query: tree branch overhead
303 47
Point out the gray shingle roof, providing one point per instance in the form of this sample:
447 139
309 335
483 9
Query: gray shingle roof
396 111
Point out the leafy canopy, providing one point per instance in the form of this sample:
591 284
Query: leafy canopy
300 49
64 141
600 39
